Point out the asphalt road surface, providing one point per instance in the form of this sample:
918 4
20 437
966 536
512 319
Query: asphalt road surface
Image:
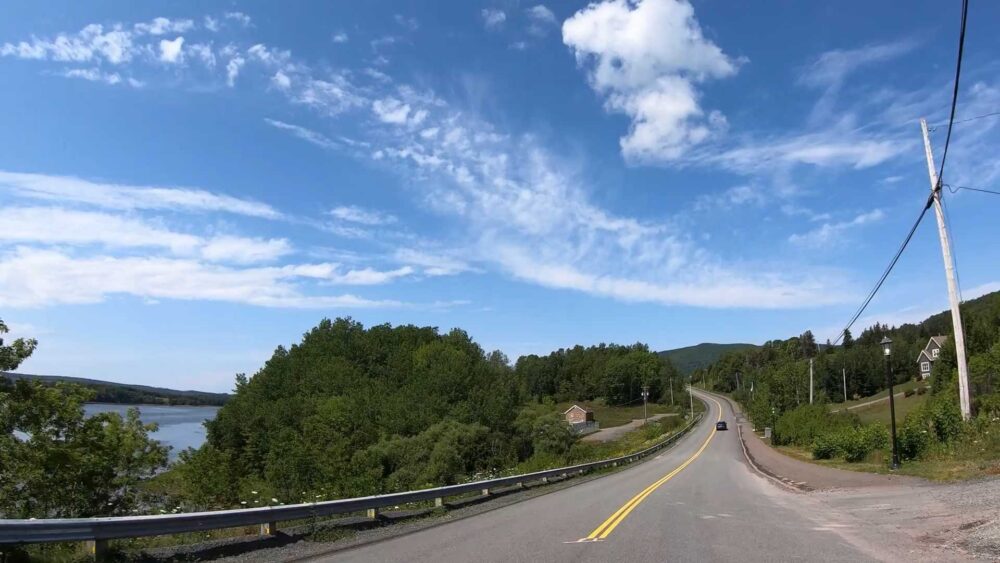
699 501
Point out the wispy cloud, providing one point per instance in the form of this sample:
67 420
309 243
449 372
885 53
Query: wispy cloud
828 234
355 214
120 196
493 18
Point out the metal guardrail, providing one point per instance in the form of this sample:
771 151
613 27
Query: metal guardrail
99 530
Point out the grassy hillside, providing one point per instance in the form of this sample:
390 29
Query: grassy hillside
110 392
701 355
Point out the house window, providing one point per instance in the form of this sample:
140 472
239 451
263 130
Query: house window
935 352
925 366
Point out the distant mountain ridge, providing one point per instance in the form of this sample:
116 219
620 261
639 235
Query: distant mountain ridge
690 358
126 393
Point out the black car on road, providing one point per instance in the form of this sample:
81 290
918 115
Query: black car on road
721 425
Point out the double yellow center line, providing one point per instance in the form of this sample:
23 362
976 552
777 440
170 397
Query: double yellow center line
609 525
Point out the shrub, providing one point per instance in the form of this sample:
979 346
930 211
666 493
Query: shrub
827 446
854 443
914 439
801 426
921 390
909 392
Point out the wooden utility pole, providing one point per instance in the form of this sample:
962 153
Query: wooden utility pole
949 271
843 373
810 381
671 392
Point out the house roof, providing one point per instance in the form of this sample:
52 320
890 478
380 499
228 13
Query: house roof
923 355
939 340
577 407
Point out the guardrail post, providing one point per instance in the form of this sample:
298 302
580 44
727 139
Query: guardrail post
486 492
372 513
438 502
545 479
98 549
268 528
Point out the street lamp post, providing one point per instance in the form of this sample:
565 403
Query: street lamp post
645 396
887 352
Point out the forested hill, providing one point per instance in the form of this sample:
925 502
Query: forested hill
699 356
122 393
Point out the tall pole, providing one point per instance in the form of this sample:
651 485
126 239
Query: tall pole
810 381
691 398
949 271
671 392
843 374
645 393
892 408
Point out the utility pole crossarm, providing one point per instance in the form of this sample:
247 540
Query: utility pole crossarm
949 270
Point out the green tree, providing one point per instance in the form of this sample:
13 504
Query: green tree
11 355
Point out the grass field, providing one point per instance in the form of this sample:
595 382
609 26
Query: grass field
905 386
879 412
609 417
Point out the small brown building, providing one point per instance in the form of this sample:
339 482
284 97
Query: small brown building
578 415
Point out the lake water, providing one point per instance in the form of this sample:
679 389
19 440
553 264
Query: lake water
180 426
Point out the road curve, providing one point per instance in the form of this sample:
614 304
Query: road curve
698 501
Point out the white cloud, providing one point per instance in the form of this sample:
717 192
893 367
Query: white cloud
243 250
305 134
733 197
239 17
172 51
116 196
369 276
340 37
57 226
89 44
830 69
493 18
233 70
93 75
438 264
354 214
541 20
162 26
392 110
281 80
409 23
829 234
211 24
203 53
646 58
36 278
823 149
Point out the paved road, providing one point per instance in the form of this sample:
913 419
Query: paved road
615 432
708 506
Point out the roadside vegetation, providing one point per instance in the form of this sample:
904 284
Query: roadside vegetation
933 439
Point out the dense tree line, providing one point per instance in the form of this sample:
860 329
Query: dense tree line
615 373
778 371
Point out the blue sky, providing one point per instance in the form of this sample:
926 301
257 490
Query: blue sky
183 187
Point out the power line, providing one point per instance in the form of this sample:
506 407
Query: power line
954 93
937 188
966 120
956 189
885 274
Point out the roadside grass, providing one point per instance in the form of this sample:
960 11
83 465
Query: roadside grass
905 386
611 416
934 468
